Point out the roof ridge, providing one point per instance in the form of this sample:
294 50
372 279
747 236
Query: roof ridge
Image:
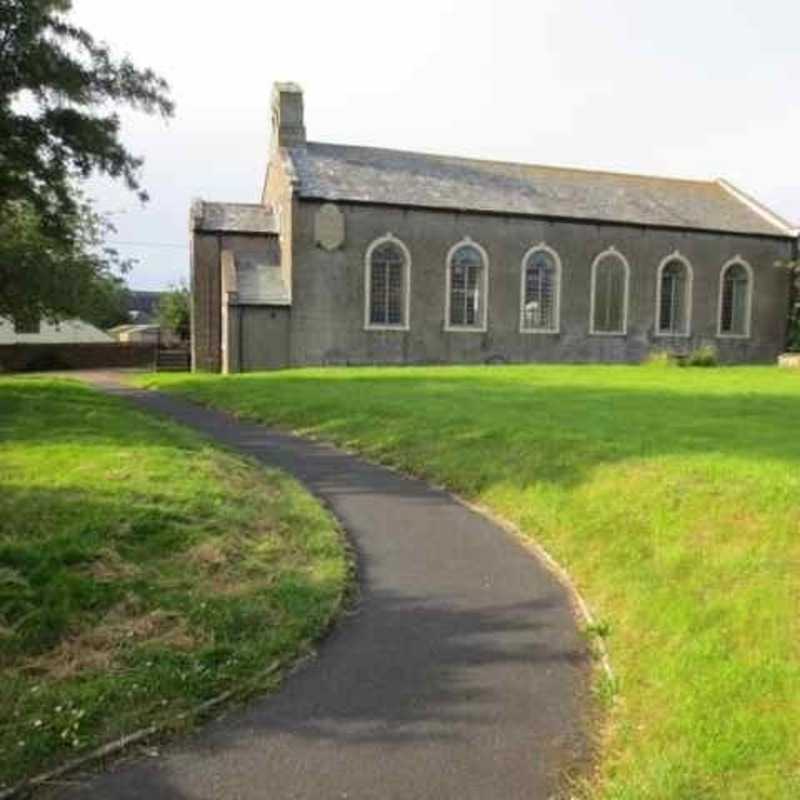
553 167
266 207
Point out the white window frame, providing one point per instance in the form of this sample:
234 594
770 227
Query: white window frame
541 247
737 259
610 252
406 324
485 288
675 256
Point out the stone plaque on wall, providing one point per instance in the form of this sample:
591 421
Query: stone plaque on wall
329 227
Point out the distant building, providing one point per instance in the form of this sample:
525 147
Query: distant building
134 333
143 306
359 255
68 331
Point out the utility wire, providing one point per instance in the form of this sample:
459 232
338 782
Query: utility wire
148 244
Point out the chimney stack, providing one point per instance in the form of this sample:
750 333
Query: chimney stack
287 116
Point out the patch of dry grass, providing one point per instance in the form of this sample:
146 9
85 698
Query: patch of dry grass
142 572
99 646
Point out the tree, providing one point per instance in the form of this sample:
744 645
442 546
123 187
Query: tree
44 275
56 129
793 318
173 311
107 302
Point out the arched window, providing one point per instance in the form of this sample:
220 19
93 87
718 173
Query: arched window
467 265
736 289
674 296
387 284
609 293
541 288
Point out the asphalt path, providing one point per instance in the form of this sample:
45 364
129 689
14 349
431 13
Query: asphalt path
460 674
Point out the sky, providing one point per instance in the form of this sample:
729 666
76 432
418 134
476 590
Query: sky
699 89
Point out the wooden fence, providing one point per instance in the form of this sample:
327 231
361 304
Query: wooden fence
42 357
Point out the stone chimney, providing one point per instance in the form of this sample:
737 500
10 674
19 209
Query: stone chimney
287 116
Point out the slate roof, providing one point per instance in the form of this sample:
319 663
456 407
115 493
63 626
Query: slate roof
143 300
233 218
72 331
373 175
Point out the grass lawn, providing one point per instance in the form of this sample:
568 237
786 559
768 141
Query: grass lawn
142 572
671 495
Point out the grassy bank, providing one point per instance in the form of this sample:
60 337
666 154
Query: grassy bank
141 572
671 495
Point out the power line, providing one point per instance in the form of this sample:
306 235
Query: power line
148 244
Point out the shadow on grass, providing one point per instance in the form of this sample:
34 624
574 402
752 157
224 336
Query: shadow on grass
497 429
68 555
46 411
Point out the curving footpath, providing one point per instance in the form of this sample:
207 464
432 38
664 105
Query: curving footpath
460 675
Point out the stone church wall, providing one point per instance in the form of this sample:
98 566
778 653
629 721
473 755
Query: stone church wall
327 323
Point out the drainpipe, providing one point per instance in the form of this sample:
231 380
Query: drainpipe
794 288
239 326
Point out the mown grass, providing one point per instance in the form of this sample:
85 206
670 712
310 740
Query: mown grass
142 571
671 495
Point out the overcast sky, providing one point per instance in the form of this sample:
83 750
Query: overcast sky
697 89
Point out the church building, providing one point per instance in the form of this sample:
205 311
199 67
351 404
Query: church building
362 255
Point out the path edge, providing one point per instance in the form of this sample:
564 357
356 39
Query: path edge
580 606
582 611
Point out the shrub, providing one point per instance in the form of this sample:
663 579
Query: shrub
703 356
793 344
661 358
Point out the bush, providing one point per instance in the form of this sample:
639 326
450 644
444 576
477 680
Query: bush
661 358
793 344
173 311
703 356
